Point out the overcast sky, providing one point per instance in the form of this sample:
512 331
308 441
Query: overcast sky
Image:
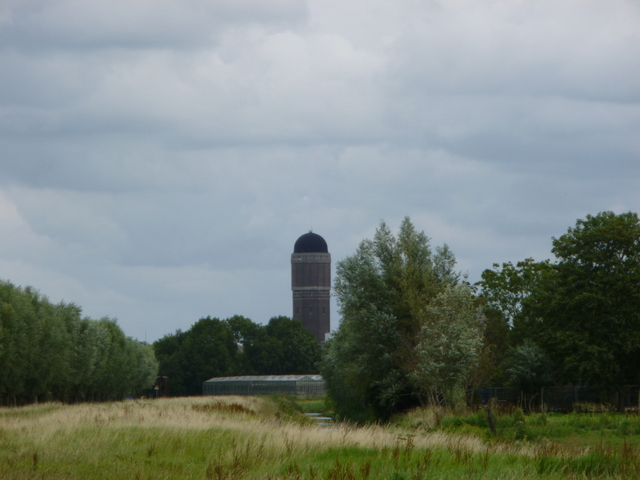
159 159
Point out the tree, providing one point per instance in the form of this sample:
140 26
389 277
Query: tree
144 359
383 291
16 346
449 345
209 350
528 368
590 307
235 346
294 347
508 290
49 352
495 344
248 335
508 293
171 359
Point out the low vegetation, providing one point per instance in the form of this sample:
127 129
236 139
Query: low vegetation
579 429
248 437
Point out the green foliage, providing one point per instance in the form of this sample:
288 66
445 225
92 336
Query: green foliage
578 430
528 368
495 344
288 409
507 291
384 291
518 416
449 344
290 348
208 349
577 320
51 352
235 346
590 306
507 294
312 405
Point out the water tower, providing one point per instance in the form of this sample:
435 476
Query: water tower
311 284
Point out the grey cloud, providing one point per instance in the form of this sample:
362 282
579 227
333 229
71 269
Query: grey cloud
159 159
64 24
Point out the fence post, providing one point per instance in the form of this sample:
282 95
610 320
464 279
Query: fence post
492 425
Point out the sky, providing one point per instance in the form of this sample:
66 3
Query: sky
159 159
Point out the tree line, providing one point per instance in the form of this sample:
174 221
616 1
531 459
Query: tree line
235 346
52 352
415 332
574 320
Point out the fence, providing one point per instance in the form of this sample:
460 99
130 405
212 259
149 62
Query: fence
562 399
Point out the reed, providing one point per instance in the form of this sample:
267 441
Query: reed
249 437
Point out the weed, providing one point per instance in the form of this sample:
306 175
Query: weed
151 448
293 471
223 407
586 407
365 470
341 472
518 416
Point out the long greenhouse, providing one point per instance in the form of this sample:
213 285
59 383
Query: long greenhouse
298 385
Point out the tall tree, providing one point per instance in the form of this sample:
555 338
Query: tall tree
590 308
383 290
508 291
248 335
49 352
449 347
528 368
170 355
209 350
235 346
508 294
295 348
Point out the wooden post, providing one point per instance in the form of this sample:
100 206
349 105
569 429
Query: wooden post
492 425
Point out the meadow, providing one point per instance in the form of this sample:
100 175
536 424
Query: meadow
269 438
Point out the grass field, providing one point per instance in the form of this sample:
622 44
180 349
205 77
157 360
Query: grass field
245 437
594 430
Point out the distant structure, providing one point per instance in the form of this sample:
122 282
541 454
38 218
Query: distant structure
311 284
301 385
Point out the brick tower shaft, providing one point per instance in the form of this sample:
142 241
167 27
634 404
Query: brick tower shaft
311 284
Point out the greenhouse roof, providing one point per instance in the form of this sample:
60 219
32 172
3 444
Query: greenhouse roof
267 378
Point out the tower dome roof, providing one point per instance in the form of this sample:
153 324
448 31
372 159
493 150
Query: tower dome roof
310 243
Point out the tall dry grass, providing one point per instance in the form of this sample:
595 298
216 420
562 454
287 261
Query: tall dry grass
245 437
257 420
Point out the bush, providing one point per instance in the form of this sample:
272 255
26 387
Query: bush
518 416
288 409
